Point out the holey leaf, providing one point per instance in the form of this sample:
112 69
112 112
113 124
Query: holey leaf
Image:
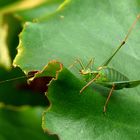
86 29
84 32
79 116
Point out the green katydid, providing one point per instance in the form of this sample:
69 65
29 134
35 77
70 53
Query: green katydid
106 76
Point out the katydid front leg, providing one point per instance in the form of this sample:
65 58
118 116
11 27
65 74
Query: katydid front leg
89 83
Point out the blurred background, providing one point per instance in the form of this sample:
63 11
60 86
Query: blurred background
21 105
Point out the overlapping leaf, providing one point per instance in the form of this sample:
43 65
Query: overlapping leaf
18 93
11 19
80 116
86 29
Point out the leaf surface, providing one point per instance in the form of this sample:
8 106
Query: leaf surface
86 29
11 20
21 124
80 116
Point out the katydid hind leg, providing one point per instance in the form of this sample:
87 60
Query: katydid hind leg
108 98
122 43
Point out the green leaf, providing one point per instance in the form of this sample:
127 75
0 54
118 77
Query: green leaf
80 116
81 35
22 124
86 29
11 17
45 9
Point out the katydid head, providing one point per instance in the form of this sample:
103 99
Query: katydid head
85 71
88 73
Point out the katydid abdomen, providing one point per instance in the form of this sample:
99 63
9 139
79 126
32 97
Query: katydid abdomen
111 75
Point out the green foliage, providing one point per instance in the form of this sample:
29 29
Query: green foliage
63 31
21 124
80 116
